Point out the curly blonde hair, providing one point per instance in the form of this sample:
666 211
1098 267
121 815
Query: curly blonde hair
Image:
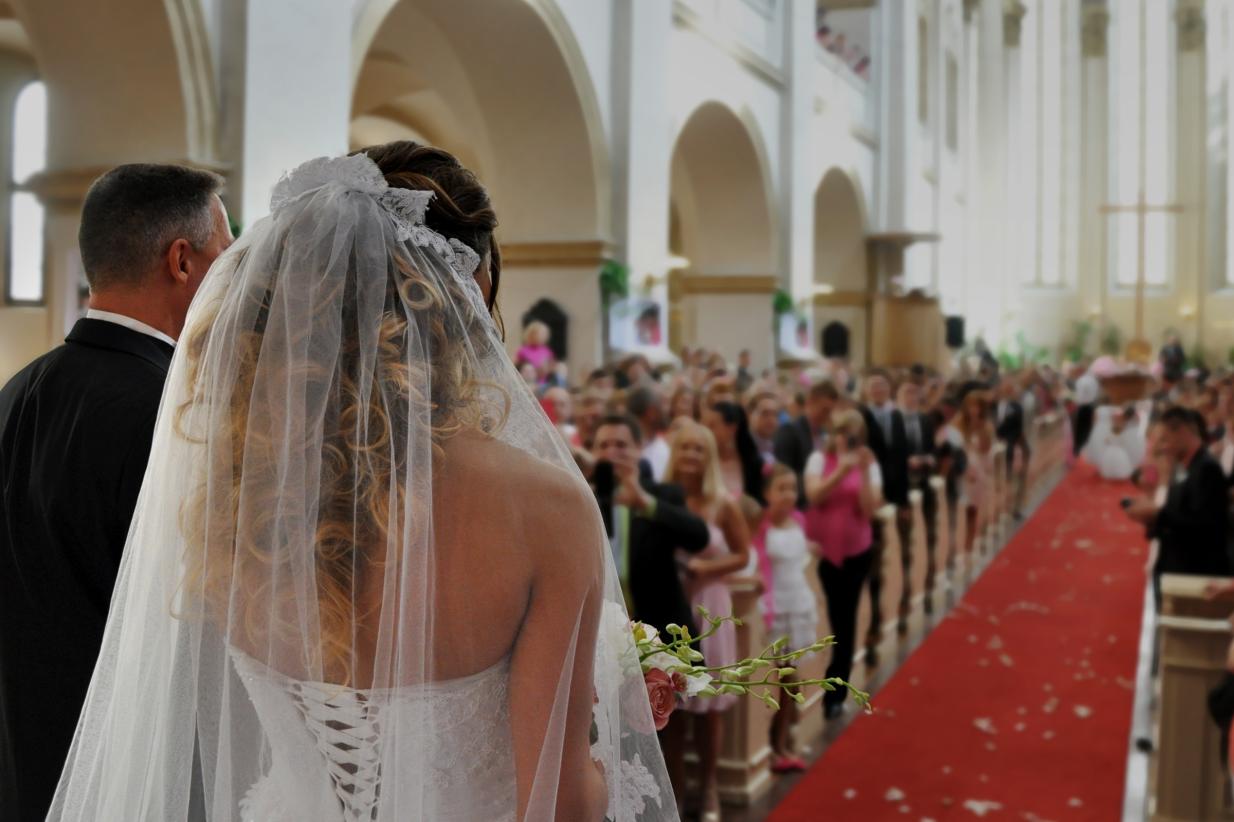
234 557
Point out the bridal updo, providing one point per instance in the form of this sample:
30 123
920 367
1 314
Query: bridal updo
422 366
460 208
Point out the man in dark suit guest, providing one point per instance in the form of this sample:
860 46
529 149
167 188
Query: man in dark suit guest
1173 359
75 432
922 465
646 523
798 439
1190 528
889 442
1010 429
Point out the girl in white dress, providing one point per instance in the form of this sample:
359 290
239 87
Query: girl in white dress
972 431
788 605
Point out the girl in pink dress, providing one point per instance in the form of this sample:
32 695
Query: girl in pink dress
694 464
535 351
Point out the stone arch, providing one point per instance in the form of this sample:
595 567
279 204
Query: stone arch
129 80
840 262
721 192
504 87
839 233
159 100
558 321
722 222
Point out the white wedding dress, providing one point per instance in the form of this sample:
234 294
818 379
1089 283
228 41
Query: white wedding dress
325 748
1115 454
308 570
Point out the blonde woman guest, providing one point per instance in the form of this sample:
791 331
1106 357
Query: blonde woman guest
972 431
536 352
844 489
694 464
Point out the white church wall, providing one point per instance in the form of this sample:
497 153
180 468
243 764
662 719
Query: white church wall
591 27
700 71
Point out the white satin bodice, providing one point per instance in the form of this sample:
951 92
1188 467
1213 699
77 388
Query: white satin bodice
440 751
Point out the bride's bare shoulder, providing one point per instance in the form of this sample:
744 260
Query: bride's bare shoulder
522 477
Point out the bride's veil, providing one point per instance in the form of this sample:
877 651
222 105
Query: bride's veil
357 525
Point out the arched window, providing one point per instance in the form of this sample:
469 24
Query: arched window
24 280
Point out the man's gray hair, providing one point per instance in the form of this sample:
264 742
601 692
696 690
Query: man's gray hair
132 215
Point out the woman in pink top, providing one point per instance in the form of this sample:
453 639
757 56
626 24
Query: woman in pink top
843 492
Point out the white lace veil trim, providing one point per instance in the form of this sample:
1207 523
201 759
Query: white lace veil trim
407 207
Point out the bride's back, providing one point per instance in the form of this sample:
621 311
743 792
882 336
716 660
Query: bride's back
494 509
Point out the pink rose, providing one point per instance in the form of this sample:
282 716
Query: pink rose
661 695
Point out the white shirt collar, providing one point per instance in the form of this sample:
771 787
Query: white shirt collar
129 323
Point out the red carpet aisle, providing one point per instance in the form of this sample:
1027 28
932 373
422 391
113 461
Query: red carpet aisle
1018 705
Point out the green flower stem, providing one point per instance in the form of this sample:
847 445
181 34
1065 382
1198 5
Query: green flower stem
733 678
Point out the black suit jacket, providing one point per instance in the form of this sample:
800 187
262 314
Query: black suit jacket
656 594
1192 524
1011 430
1082 427
793 445
926 444
892 454
75 431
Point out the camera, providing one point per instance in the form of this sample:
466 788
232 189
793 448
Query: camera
604 478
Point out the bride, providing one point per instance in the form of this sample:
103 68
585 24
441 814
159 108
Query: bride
364 580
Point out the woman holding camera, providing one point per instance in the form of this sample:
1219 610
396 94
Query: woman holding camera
843 492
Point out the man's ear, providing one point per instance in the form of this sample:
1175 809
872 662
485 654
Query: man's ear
177 261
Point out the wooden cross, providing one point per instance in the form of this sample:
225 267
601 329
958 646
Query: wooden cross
1141 209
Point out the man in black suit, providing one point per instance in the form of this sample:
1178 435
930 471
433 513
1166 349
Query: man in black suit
646 523
1190 528
1009 427
798 439
889 441
922 466
75 431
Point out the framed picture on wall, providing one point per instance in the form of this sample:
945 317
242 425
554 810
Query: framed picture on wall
636 324
795 336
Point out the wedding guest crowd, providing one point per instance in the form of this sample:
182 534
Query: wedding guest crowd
709 474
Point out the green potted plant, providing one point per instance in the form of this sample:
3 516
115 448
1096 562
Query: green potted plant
614 281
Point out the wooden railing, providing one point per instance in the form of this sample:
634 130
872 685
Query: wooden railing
745 759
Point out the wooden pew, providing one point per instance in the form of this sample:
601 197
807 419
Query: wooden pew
1193 638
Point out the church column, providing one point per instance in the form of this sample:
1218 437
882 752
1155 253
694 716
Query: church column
285 92
642 143
984 305
1191 148
898 128
1020 238
797 174
1093 270
61 194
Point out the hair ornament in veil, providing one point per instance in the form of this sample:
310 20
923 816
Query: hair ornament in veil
407 207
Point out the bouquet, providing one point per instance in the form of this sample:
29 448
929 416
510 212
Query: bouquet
671 670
